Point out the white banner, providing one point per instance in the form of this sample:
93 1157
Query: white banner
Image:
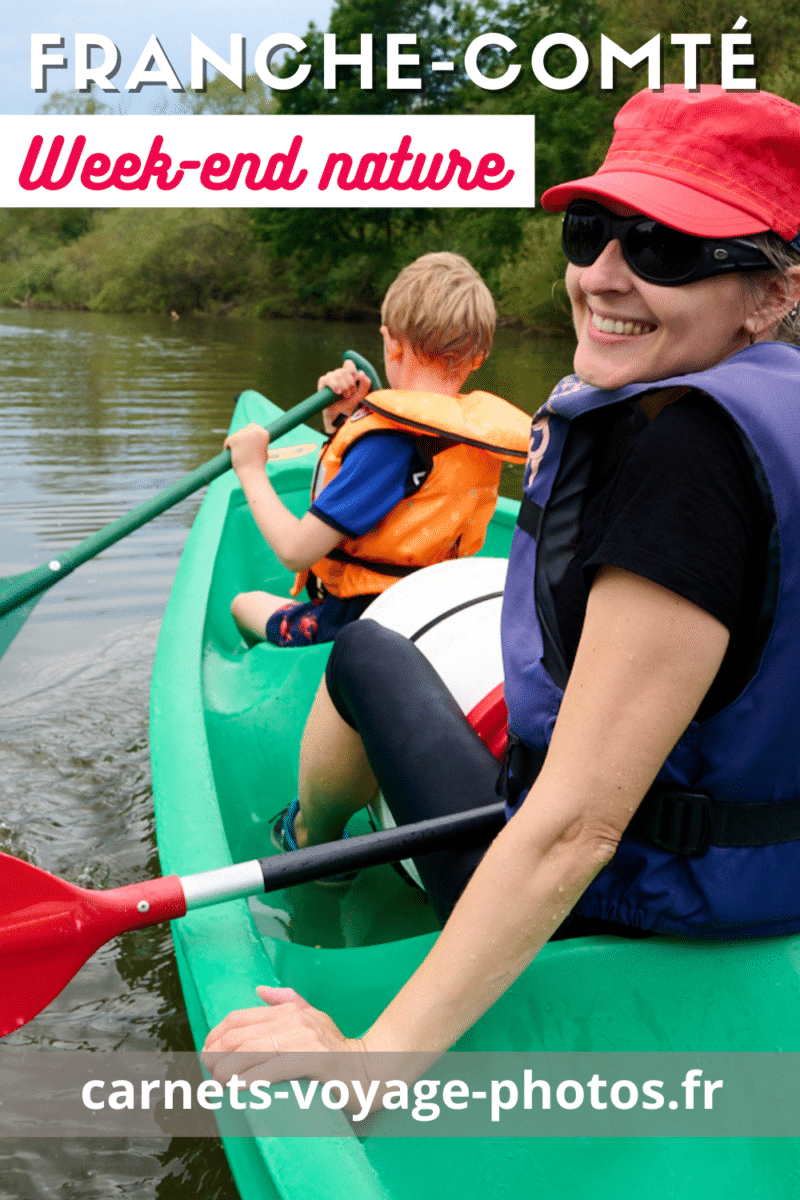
268 161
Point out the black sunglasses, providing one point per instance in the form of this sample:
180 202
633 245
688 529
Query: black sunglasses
654 252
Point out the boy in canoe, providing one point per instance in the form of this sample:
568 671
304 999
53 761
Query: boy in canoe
409 475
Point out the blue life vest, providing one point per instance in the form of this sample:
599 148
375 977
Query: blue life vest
747 753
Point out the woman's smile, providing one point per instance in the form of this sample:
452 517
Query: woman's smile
619 326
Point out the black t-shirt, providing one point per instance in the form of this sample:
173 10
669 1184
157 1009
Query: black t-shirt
678 503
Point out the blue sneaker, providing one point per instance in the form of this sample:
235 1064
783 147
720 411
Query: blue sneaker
283 839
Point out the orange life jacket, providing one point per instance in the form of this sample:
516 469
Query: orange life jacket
463 442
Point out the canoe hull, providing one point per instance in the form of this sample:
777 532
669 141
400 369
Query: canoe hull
225 725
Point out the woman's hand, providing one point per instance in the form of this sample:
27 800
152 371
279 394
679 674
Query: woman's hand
288 1025
292 1040
249 448
259 1043
350 384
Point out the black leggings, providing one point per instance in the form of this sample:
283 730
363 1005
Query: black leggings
426 757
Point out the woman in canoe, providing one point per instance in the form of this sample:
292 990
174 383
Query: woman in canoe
650 615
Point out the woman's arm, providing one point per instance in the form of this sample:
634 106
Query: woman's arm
646 659
298 541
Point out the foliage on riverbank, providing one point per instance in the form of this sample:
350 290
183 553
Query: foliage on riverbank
213 261
136 260
338 262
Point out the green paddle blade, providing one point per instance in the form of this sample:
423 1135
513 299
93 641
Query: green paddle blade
13 621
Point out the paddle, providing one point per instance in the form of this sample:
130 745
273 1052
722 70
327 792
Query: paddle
19 593
49 928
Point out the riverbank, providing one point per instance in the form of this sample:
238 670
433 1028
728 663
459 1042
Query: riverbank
213 262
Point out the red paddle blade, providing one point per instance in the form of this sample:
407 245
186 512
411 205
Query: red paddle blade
49 928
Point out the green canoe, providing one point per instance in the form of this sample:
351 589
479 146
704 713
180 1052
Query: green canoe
225 728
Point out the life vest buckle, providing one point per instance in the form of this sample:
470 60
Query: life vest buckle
675 820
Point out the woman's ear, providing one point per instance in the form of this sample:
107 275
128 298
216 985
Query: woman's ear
772 301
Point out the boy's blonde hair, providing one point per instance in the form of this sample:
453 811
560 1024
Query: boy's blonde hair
440 305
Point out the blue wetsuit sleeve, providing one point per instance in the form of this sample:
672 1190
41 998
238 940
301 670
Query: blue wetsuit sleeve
371 481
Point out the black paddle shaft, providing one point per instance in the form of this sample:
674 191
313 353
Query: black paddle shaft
455 831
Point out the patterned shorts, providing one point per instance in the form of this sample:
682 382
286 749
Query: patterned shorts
314 621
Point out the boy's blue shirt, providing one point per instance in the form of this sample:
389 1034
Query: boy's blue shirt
372 480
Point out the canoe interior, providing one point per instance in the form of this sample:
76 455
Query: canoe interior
225 728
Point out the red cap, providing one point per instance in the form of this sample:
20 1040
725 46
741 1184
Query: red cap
712 163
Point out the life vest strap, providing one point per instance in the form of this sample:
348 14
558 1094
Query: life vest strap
530 517
396 570
672 818
686 822
518 770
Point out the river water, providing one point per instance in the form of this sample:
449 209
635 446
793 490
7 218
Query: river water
97 413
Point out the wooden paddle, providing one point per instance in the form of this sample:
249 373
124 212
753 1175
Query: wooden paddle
49 927
20 593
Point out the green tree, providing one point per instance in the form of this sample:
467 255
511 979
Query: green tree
573 127
23 230
150 260
447 26
343 259
75 104
773 24
223 98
